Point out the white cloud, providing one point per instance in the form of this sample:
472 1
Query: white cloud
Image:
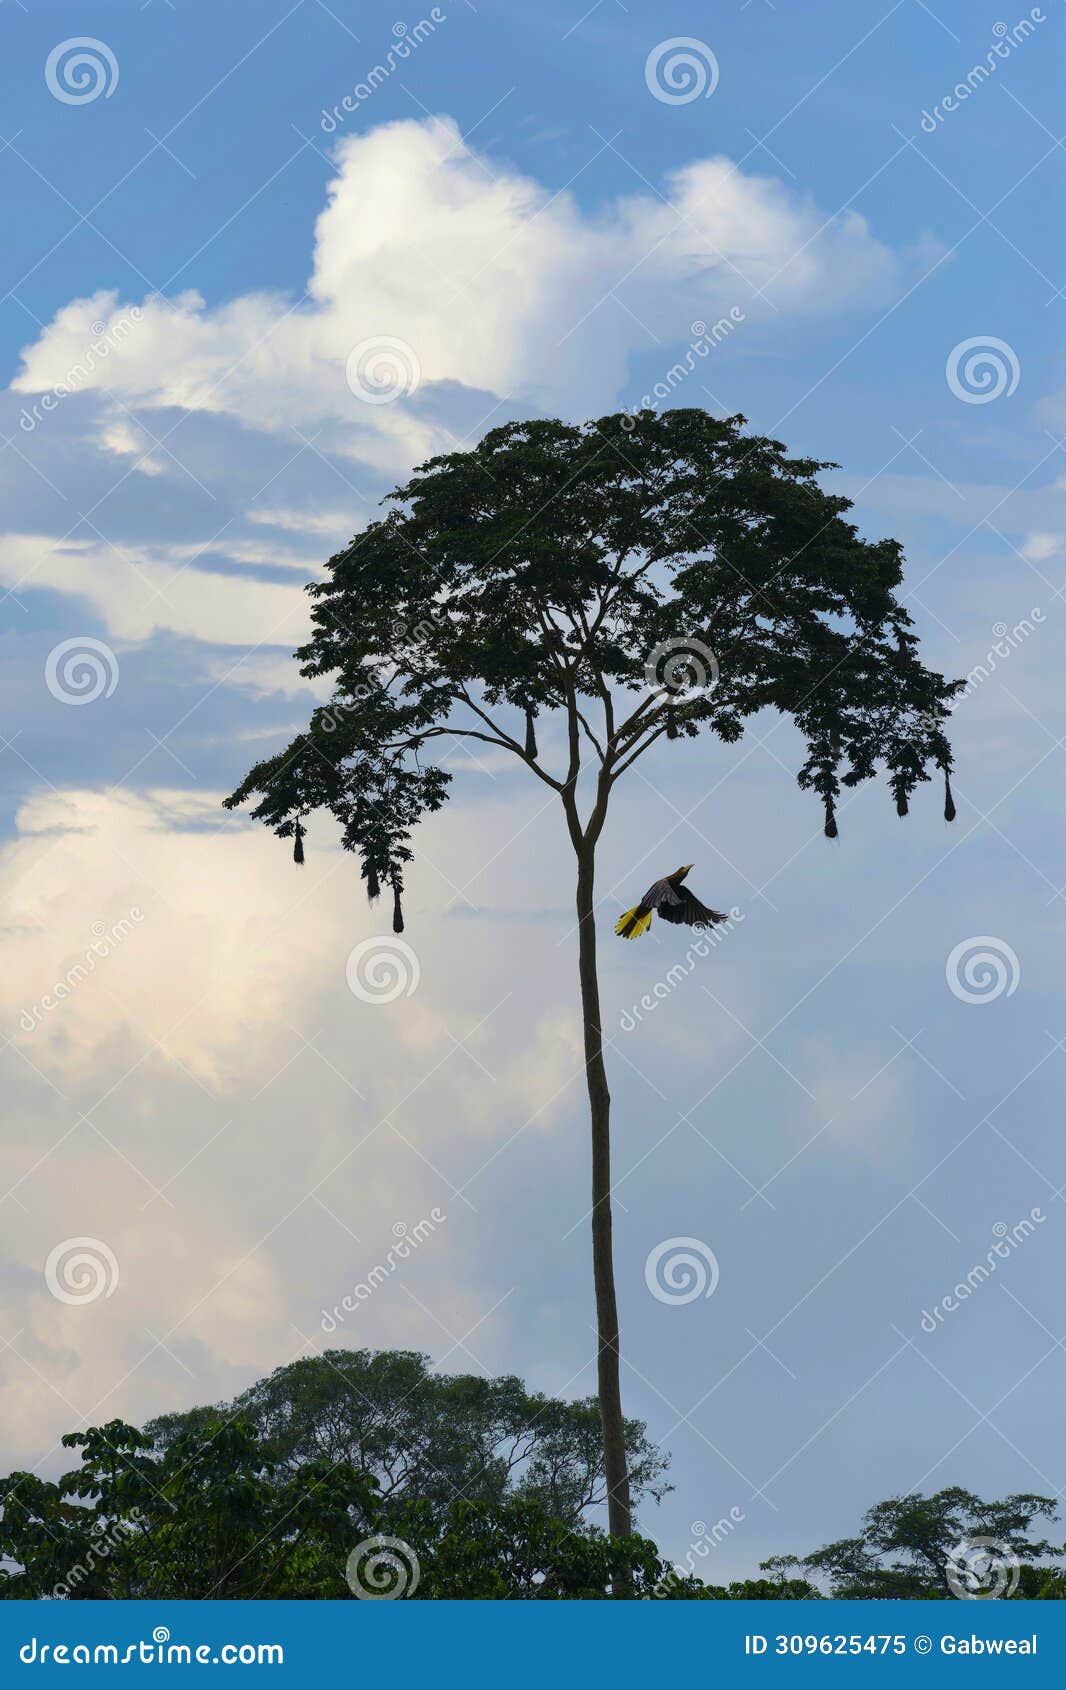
1039 548
183 972
509 298
262 674
210 1100
222 942
124 439
138 590
334 524
492 282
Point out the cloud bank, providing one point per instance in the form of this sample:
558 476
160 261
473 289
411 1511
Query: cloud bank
473 277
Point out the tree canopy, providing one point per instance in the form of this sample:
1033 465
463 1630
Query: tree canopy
907 1545
303 1488
432 1436
206 1517
557 567
211 1511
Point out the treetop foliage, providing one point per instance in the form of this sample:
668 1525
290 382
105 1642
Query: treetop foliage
558 567
906 1543
273 1495
430 1435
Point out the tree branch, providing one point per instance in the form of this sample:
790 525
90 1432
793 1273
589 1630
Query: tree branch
639 752
504 739
592 737
633 727
415 739
569 786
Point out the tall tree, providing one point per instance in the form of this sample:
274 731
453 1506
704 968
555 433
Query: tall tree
639 577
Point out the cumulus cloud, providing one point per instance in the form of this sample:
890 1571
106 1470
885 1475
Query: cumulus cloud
207 941
494 298
214 1059
124 439
192 1081
335 524
147 877
481 279
137 590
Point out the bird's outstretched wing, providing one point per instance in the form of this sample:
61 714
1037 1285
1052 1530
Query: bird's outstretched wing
673 903
682 907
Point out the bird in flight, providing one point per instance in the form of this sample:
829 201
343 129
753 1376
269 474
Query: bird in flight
671 900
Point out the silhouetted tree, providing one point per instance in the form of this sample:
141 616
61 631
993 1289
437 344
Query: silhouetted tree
641 578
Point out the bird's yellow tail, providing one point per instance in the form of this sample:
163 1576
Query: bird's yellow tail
633 924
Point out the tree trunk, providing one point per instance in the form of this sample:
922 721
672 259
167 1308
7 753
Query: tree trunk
614 1444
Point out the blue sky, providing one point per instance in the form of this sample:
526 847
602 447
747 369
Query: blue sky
537 231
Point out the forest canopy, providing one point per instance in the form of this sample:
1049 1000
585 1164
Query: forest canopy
363 1473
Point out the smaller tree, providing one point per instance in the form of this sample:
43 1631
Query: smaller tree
908 1544
206 1519
689 1589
